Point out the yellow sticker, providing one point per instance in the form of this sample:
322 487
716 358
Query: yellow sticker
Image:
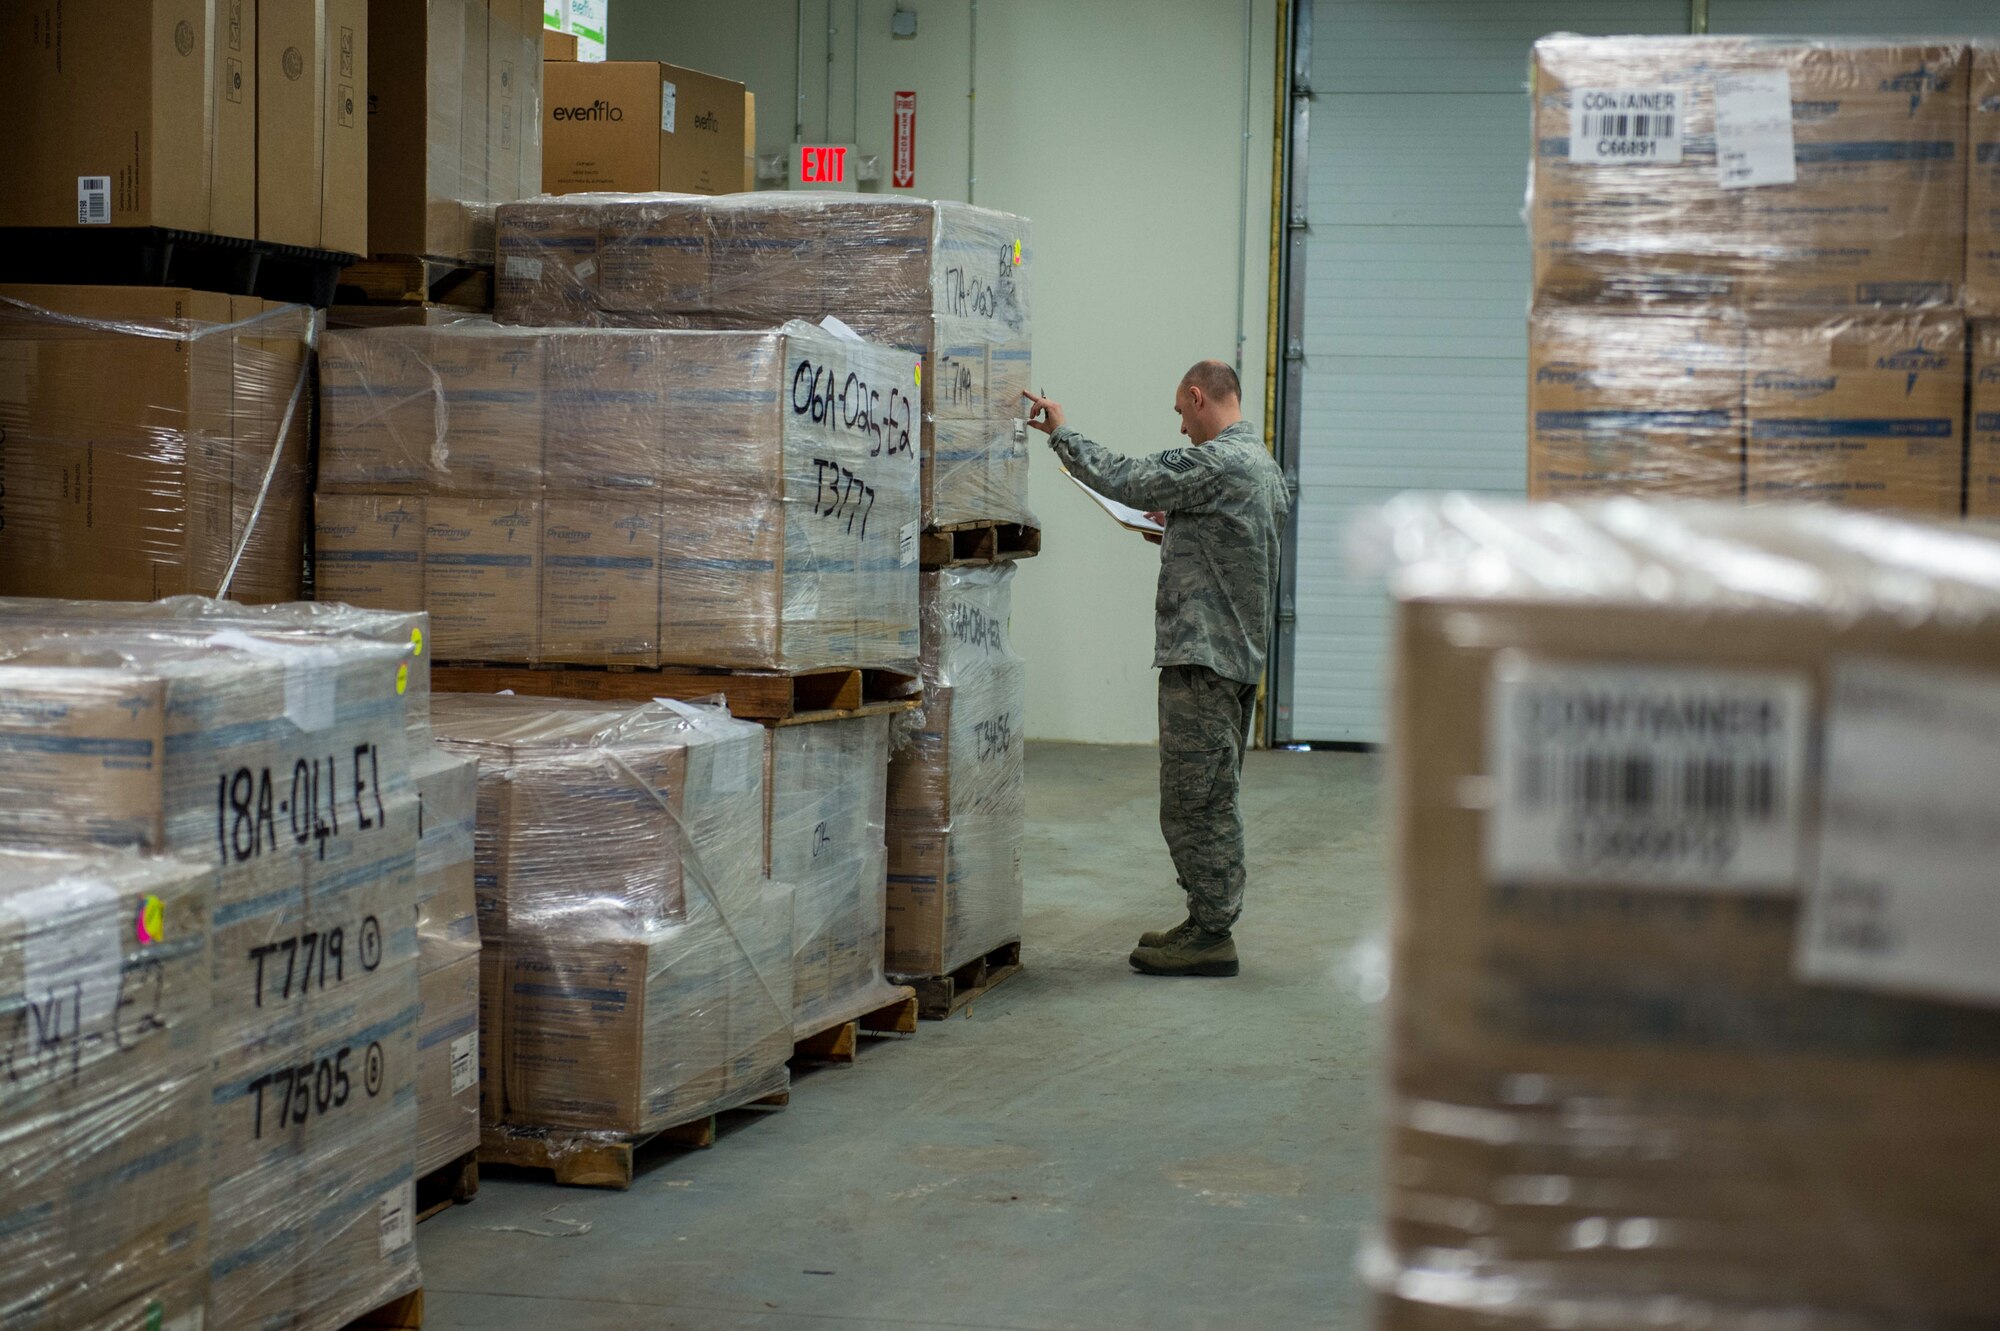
151 924
920 374
402 678
417 640
1017 254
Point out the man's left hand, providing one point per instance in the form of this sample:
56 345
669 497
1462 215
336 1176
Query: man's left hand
1043 414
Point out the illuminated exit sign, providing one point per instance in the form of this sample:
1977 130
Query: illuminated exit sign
834 166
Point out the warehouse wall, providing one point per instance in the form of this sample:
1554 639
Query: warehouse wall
1118 129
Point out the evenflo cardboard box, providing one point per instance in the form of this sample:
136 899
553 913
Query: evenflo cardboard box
1864 411
129 113
1624 1080
634 126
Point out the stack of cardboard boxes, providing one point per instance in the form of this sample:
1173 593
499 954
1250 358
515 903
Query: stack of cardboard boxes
196 732
1751 269
1692 1019
637 959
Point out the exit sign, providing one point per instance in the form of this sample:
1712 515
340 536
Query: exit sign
834 166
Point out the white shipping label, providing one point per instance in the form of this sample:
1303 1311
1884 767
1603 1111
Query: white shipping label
398 1219
1906 897
906 543
70 957
1753 129
93 200
1645 776
585 269
1626 125
528 270
667 95
464 1063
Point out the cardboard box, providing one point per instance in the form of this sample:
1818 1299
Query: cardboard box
633 126
368 550
1865 412
448 1065
419 184
312 127
1634 404
135 461
749 140
1873 218
1611 1075
1982 226
1982 475
558 45
601 580
446 788
128 115
482 574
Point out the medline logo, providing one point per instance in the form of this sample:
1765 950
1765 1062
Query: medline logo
1914 361
514 519
1916 82
1989 374
632 527
396 517
1566 373
597 110
1799 385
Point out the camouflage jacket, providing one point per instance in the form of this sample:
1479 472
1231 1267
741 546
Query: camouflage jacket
1226 504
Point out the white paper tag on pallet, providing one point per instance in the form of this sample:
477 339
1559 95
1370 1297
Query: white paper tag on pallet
1906 897
93 200
1645 776
1753 129
906 543
1611 126
70 957
528 270
464 1063
398 1218
668 95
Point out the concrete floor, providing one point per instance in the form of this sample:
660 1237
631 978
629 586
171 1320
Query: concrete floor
1087 1148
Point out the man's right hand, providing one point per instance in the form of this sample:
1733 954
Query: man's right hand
1043 414
1155 536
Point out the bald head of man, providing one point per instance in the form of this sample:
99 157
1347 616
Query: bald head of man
1208 400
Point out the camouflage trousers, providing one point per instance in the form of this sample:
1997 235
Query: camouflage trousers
1203 721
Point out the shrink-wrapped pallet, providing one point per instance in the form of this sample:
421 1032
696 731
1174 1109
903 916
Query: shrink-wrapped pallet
947 281
626 497
104 995
153 441
957 804
283 762
1693 1021
639 958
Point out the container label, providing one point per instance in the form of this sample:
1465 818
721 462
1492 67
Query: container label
398 1218
906 543
668 93
528 270
1905 898
1635 775
70 956
93 200
1753 129
1626 125
464 1063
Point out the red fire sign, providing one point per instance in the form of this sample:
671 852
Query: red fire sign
904 173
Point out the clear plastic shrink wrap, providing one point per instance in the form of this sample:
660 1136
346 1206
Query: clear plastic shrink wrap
282 761
468 73
1693 1018
947 281
104 991
957 801
1750 263
739 499
827 783
639 962
153 441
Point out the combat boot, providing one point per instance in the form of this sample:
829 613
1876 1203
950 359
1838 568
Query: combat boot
1196 952
1159 937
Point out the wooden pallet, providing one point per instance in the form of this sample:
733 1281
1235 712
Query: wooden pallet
158 256
974 543
752 695
451 1184
398 279
840 1041
413 315
597 1159
938 996
404 1313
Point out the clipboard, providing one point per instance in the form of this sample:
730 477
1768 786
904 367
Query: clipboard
1131 519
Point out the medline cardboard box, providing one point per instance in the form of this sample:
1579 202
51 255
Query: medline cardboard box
633 126
1865 411
1843 184
130 114
312 124
1982 472
1982 195
1627 1073
1624 403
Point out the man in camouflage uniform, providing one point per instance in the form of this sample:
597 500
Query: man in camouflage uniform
1223 502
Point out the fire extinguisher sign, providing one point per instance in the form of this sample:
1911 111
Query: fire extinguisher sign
904 173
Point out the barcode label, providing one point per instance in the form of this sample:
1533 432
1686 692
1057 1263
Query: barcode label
1643 775
906 543
1625 125
93 200
464 1063
398 1218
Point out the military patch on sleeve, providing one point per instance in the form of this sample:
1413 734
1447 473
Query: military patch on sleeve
1177 460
